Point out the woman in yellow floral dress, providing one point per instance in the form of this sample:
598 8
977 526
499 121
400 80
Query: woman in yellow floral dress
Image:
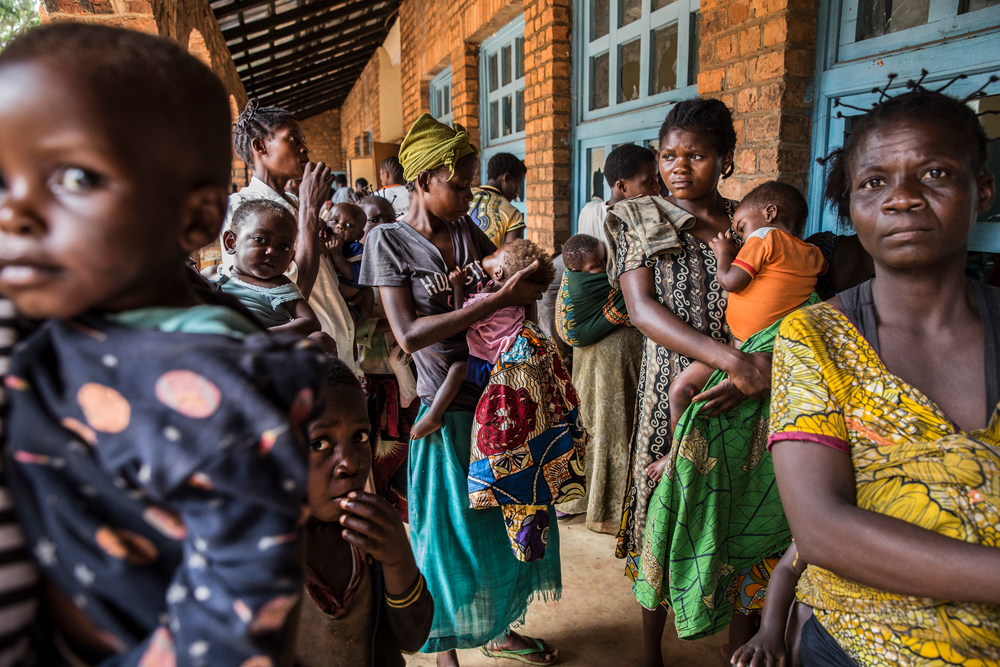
884 421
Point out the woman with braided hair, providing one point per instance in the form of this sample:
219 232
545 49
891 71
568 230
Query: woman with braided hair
272 143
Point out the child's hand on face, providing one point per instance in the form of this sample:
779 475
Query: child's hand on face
373 525
723 245
334 242
764 650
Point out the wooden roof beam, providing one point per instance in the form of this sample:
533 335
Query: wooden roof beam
385 11
292 61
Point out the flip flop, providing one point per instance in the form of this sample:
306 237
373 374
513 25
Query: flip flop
519 654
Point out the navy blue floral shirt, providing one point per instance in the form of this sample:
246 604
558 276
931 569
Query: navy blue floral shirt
160 477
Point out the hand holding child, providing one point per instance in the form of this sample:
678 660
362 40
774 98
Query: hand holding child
724 246
518 291
373 525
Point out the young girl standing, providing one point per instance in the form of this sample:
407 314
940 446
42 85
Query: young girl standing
660 255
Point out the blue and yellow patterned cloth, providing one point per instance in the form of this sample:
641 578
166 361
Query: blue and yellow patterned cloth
830 387
528 445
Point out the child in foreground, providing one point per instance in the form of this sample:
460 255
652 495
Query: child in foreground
261 236
491 336
155 442
366 599
773 273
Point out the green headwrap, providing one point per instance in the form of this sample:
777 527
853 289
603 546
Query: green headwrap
430 144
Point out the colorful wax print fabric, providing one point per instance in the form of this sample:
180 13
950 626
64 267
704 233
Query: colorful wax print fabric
528 445
160 477
390 438
652 235
715 514
910 463
588 308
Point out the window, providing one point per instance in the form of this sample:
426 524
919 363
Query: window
441 96
639 52
869 28
501 64
501 96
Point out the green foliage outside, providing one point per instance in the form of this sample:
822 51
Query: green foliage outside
16 17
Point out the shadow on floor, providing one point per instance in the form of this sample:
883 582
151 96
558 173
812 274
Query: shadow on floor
597 622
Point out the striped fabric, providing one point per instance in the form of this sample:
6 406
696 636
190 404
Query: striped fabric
18 576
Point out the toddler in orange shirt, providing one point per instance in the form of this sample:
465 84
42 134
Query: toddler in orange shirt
770 276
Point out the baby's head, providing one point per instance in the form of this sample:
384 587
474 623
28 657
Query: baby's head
340 455
378 211
516 255
584 253
347 221
262 237
631 171
771 204
115 167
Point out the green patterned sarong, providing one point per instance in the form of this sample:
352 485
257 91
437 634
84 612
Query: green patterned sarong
715 512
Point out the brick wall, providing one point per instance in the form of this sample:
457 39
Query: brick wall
360 111
323 138
547 120
758 57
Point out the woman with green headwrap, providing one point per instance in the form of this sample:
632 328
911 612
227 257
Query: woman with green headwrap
480 588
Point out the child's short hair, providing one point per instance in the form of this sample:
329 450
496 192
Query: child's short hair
257 122
394 168
576 249
790 202
505 163
339 375
361 184
148 82
625 161
377 200
252 208
518 254
707 117
341 180
919 104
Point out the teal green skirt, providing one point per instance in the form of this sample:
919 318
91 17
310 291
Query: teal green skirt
480 589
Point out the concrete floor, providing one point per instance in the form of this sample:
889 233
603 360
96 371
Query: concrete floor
597 621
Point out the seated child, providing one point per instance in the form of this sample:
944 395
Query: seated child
154 441
491 336
767 648
262 238
343 242
365 599
770 276
589 308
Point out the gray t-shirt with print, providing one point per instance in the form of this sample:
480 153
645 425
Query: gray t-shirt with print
396 255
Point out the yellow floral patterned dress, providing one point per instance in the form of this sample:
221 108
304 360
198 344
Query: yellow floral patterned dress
910 463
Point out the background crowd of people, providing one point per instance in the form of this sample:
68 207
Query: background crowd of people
216 469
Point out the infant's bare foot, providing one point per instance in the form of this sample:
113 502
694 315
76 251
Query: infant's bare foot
424 427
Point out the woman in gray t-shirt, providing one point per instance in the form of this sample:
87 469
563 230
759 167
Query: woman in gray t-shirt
479 587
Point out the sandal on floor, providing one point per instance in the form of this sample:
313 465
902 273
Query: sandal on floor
520 654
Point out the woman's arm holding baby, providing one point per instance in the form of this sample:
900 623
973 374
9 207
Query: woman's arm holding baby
415 333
